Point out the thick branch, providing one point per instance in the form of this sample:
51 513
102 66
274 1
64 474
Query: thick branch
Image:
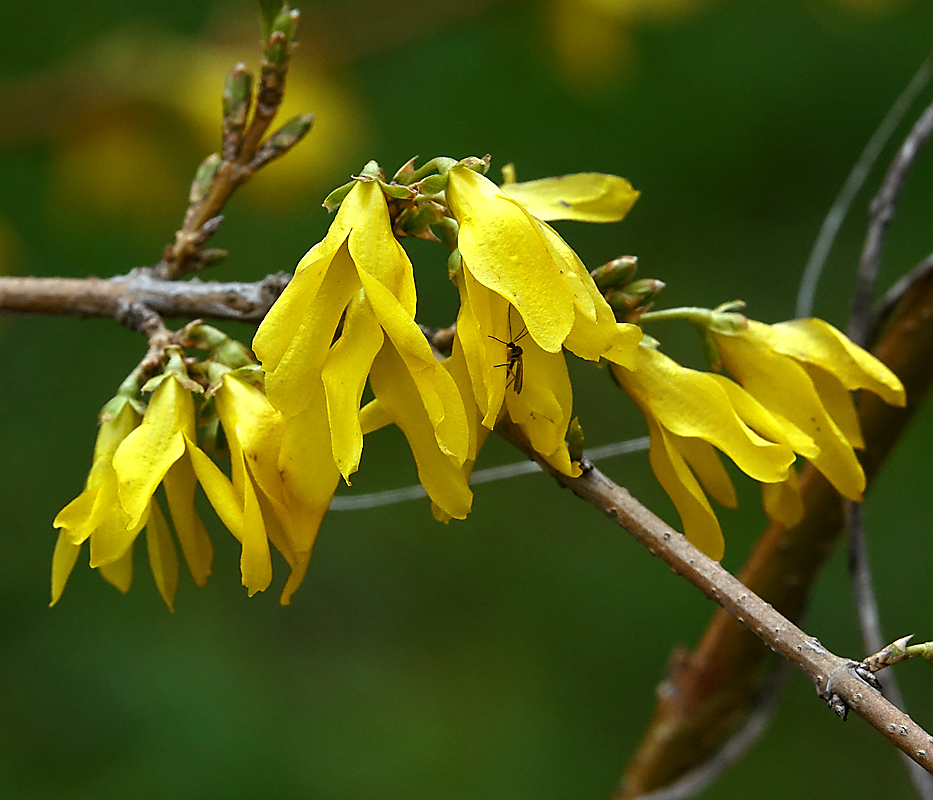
834 677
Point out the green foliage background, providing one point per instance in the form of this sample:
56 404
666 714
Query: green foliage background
514 655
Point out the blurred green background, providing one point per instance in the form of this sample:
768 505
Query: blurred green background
513 655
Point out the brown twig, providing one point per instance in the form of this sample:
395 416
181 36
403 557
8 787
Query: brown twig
835 678
242 152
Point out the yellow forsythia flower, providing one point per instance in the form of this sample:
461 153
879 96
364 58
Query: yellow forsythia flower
131 459
317 381
689 413
802 371
521 286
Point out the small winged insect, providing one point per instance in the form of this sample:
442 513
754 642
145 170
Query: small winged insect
514 367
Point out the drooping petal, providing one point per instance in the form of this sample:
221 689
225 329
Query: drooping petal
438 393
111 538
255 558
63 562
163 559
179 484
83 514
309 474
373 417
281 324
119 573
773 427
782 502
483 315
439 474
625 347
344 376
219 490
254 431
700 524
702 459
375 250
147 453
585 196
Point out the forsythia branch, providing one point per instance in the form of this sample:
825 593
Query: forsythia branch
105 297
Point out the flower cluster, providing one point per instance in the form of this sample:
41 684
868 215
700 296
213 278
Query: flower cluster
148 438
347 321
790 395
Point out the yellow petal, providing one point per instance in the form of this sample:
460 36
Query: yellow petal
438 393
504 249
80 516
344 377
219 490
281 324
585 196
255 558
373 417
838 403
483 315
819 343
625 349
254 430
375 250
163 560
179 483
699 521
111 537
702 459
119 573
784 388
545 405
289 384
439 474
272 514
782 502
309 475
689 403
759 419
63 562
145 455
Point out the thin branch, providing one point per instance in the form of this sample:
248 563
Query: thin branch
390 497
834 677
882 213
806 293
